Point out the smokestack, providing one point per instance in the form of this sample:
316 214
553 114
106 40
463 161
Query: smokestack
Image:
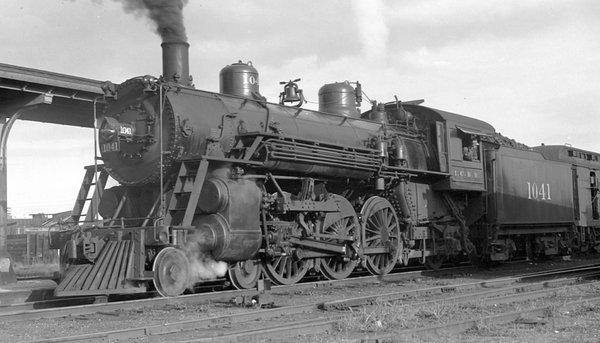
176 66
167 15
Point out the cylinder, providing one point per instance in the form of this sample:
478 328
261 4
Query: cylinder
176 66
214 196
215 236
338 98
229 227
239 79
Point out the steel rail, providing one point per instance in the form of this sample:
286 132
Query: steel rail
322 325
53 303
170 328
306 327
175 327
513 293
459 326
112 306
223 296
529 295
325 324
330 323
395 296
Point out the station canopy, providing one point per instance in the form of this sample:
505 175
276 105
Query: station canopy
66 100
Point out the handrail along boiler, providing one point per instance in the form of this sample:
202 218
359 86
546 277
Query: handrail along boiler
230 177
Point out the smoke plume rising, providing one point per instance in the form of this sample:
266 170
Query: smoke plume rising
166 14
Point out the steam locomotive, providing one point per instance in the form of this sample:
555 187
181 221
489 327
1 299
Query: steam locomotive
277 190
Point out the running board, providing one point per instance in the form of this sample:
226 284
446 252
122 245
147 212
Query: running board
108 275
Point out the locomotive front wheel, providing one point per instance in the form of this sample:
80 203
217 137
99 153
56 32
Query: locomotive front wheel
245 274
171 272
381 230
335 268
286 270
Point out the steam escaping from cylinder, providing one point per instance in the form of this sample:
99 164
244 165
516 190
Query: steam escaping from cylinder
202 266
166 14
205 269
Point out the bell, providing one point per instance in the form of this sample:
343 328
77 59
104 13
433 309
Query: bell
290 93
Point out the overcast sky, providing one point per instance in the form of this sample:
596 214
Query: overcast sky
529 68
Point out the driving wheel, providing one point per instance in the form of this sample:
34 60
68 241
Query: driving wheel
285 270
381 232
340 267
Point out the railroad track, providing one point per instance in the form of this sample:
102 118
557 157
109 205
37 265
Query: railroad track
501 318
43 298
325 316
92 304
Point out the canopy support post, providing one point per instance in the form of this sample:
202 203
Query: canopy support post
7 273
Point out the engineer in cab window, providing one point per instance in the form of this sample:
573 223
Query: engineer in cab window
471 151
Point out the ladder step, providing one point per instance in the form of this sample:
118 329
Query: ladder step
178 209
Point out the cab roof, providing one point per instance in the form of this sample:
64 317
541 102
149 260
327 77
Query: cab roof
460 121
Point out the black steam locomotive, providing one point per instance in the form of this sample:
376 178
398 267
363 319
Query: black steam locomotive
270 188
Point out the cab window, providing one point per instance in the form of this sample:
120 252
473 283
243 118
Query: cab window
470 147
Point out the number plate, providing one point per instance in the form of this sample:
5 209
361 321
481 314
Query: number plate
110 147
